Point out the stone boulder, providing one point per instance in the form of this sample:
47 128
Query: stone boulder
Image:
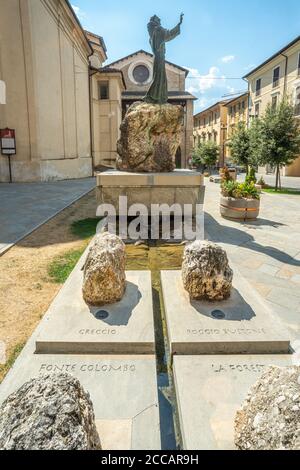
50 412
104 271
150 136
270 416
206 273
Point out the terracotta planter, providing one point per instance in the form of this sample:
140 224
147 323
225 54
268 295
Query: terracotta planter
242 209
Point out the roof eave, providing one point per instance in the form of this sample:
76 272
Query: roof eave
80 26
288 46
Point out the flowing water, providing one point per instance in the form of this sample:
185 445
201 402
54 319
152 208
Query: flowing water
155 257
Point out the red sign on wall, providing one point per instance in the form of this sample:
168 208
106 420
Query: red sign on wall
8 141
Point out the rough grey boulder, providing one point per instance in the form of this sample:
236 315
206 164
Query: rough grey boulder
270 416
206 273
150 136
104 270
50 412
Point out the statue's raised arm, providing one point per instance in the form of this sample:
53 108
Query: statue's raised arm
158 91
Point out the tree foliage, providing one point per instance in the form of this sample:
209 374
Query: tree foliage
277 140
206 154
243 143
240 145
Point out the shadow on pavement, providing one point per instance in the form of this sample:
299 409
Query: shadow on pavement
223 234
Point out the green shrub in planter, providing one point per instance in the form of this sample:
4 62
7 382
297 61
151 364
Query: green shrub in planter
237 190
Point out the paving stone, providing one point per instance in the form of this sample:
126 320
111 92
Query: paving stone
296 278
26 206
269 269
210 390
285 298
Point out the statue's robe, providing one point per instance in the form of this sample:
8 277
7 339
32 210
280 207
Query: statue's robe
158 91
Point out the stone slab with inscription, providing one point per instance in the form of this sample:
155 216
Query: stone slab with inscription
123 390
210 390
243 324
125 327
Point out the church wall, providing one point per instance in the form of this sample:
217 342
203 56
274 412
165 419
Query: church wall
44 61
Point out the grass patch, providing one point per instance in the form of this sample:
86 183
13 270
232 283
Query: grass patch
291 192
85 228
4 368
61 266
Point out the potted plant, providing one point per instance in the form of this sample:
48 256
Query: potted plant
261 184
239 201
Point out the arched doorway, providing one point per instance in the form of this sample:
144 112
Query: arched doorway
178 158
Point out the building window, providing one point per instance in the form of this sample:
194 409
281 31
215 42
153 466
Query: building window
141 74
243 105
204 122
256 113
230 111
297 102
276 74
215 137
103 90
258 87
299 63
216 118
274 102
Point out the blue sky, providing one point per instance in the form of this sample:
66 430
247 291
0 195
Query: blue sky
220 40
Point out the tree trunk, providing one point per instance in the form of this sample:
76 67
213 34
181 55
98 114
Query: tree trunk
277 177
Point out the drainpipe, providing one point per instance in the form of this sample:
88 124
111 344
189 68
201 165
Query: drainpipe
248 114
285 74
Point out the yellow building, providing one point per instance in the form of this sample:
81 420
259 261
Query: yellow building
275 78
210 125
237 111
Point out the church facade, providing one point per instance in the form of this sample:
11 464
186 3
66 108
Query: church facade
137 71
63 104
44 62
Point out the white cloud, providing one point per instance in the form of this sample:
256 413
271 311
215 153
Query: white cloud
203 103
79 13
227 59
198 83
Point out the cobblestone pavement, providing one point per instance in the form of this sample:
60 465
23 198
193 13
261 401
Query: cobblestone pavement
25 206
267 251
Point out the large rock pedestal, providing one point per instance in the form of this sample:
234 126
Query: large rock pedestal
177 187
49 413
150 136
